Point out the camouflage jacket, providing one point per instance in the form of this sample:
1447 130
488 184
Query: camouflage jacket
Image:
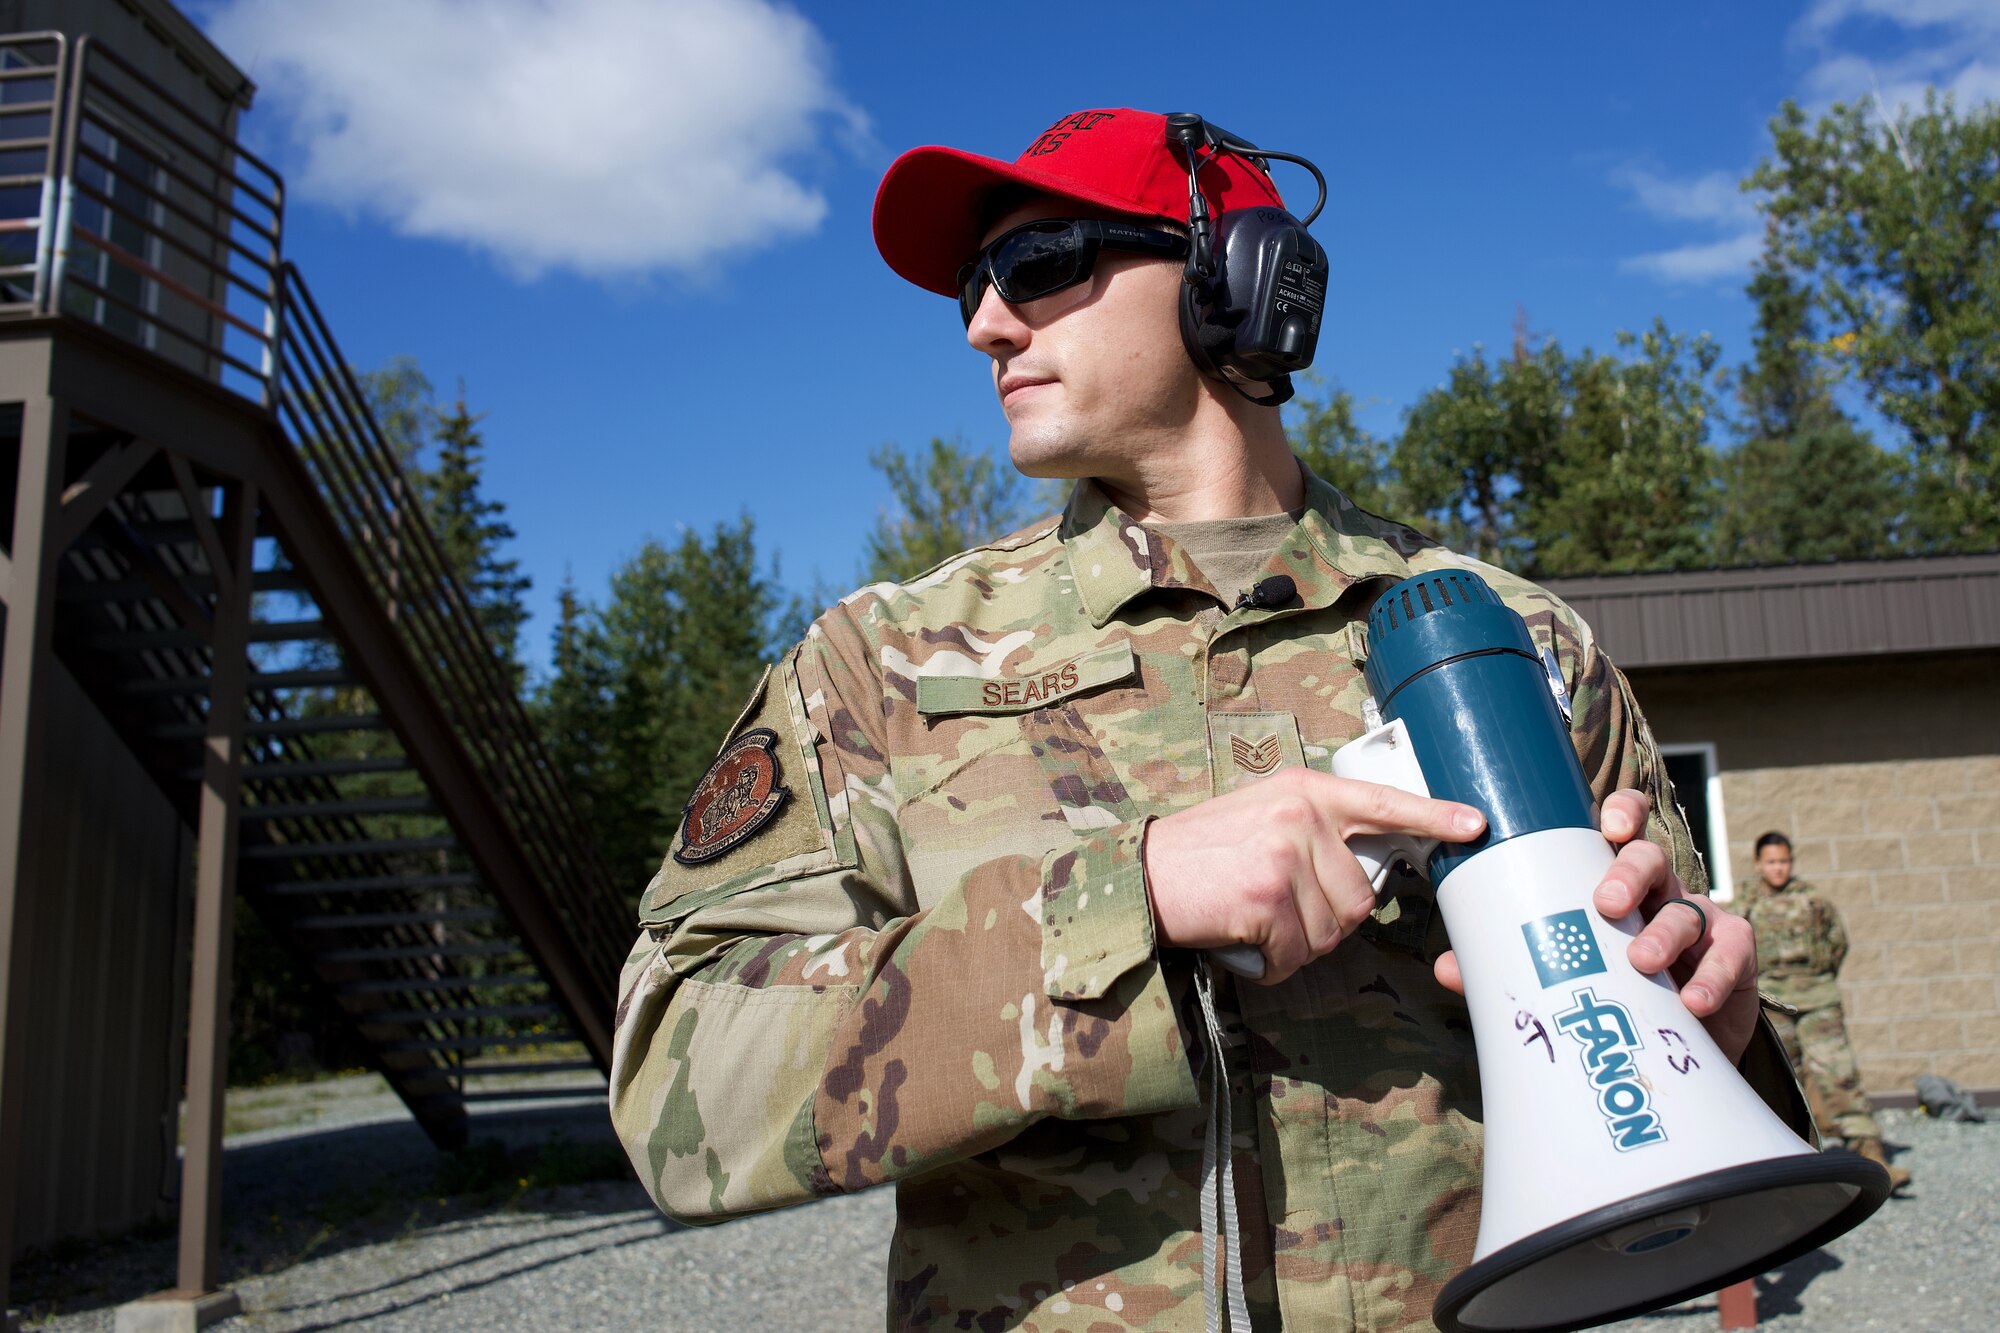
933 962
1800 941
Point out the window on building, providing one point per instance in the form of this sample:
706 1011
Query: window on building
1698 784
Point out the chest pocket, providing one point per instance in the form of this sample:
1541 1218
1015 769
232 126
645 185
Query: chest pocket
1013 766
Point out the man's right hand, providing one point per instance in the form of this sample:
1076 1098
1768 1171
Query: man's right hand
1268 865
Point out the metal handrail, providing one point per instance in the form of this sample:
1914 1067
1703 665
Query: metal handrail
180 229
321 405
177 197
43 224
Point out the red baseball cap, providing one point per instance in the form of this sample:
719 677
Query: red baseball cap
927 211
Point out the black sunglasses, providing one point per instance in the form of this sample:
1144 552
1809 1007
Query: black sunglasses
1040 258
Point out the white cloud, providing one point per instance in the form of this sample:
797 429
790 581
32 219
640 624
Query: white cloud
1717 261
1716 197
1950 45
611 137
1715 201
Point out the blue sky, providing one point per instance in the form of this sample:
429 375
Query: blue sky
638 231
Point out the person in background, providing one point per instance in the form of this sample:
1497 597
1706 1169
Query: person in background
1800 947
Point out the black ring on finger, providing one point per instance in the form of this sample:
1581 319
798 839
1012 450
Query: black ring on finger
1694 907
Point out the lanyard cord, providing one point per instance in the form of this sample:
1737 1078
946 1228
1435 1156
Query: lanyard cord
1218 1174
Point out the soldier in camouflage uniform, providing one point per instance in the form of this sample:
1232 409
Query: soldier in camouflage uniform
1800 947
935 914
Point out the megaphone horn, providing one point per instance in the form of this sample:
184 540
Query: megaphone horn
1628 1165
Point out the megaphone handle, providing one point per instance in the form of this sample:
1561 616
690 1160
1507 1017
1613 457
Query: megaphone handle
1383 754
1377 855
1245 960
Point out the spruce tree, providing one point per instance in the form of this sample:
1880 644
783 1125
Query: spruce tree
948 498
645 688
572 702
638 626
723 640
471 532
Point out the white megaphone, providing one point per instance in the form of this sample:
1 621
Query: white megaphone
1628 1164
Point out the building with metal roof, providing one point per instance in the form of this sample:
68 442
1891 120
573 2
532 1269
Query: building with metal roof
1855 707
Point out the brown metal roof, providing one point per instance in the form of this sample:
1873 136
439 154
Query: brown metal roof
1776 613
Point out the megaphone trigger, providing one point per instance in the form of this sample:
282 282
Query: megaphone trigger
1385 755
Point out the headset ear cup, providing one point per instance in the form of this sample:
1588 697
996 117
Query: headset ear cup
1193 329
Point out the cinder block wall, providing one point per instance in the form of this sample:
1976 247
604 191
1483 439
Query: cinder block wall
1910 853
1886 776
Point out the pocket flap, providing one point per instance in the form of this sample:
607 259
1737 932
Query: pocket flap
938 696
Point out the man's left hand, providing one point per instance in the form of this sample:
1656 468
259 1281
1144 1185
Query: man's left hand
1716 967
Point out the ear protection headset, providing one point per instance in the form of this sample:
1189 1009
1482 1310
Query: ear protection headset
1255 282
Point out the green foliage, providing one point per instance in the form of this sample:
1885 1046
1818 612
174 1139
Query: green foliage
948 499
1897 227
279 1027
1323 433
1825 493
1474 446
399 397
1785 380
1556 464
471 531
645 687
1805 483
1630 477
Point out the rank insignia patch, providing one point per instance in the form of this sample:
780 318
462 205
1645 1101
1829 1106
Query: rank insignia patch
1259 758
738 795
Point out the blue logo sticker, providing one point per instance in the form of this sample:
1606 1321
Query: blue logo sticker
1563 947
1607 1035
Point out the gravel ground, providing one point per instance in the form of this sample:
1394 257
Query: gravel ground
341 1224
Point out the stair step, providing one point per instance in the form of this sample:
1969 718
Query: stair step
368 805
588 1092
462 1014
279 851
526 1067
324 768
430 985
282 726
141 640
360 920
389 953
314 726
472 1043
370 884
139 590
267 680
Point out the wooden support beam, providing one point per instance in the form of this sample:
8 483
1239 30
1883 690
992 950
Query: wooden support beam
84 499
29 658
204 525
215 901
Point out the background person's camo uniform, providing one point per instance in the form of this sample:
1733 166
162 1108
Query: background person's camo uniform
935 965
1800 947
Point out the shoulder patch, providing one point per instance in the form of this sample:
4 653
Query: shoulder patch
758 815
739 795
